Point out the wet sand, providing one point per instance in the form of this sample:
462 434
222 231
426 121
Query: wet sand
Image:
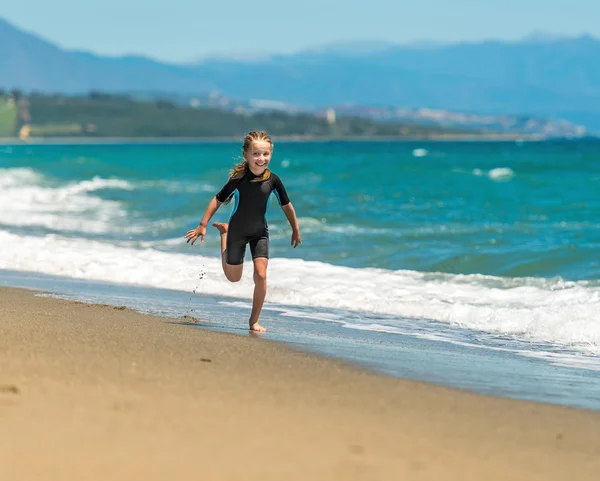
92 392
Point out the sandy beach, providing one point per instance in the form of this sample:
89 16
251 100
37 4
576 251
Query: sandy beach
94 392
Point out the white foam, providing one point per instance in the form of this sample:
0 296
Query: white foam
554 311
433 331
36 201
97 183
18 176
498 174
501 173
73 207
310 224
176 186
419 152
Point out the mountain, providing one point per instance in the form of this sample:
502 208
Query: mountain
28 62
553 78
541 75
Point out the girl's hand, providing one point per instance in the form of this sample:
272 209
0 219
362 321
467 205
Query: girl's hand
296 238
193 235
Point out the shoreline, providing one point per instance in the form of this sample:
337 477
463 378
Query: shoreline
283 139
403 356
157 398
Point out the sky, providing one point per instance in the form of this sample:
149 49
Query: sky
188 30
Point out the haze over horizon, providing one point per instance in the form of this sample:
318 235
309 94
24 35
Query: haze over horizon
186 31
548 75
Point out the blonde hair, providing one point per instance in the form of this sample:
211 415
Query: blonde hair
239 170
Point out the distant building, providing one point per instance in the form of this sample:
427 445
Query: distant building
330 116
24 132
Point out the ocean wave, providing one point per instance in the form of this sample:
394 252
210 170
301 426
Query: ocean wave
19 176
498 174
67 208
420 152
176 186
555 310
97 183
501 173
74 207
310 224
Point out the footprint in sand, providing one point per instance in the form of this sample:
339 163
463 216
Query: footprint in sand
9 389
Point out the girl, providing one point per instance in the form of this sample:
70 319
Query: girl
251 183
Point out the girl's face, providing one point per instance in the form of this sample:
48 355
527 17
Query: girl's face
259 156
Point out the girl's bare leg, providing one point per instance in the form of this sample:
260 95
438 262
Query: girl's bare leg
260 291
233 273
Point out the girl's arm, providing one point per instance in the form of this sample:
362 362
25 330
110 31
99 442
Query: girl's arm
290 213
200 231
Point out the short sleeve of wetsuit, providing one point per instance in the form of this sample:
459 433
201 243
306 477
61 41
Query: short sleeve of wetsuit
227 190
280 191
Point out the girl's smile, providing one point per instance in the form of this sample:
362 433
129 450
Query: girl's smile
259 156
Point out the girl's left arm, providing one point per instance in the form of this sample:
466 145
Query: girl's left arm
290 213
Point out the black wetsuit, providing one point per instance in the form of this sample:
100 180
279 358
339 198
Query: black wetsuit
248 224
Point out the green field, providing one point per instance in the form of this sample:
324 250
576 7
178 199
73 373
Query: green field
8 118
55 129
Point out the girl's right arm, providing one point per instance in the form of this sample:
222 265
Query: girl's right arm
200 231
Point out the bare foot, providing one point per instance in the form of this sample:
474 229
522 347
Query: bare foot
221 227
256 327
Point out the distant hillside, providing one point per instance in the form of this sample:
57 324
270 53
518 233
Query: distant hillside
8 117
549 77
102 115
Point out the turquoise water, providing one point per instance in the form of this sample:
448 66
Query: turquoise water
492 246
502 209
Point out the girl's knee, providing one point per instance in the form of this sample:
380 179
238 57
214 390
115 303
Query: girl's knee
234 277
260 276
233 273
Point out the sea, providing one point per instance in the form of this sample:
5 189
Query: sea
474 265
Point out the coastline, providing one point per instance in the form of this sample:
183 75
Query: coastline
289 138
156 398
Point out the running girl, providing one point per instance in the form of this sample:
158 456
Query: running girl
251 183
